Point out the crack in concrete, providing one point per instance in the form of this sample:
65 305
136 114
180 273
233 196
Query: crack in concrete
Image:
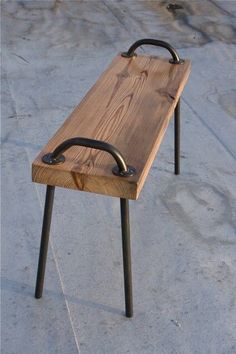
61 281
38 196
22 58
221 8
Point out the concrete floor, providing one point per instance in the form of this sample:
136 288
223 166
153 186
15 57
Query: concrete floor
183 228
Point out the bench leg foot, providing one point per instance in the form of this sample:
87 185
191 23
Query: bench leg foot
177 138
124 207
44 241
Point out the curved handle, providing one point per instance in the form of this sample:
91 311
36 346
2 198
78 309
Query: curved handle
131 52
57 156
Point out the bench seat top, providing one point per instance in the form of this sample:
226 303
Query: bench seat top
129 107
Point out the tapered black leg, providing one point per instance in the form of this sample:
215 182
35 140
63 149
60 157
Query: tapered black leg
124 207
44 240
177 138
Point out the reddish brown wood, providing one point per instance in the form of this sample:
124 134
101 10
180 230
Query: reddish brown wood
130 106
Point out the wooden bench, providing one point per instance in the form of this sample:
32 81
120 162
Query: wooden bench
108 143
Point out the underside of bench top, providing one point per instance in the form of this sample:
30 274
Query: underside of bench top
129 107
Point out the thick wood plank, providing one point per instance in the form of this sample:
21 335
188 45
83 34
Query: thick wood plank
130 107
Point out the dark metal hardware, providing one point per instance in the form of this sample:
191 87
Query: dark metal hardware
125 226
177 138
121 169
130 171
44 240
175 57
49 159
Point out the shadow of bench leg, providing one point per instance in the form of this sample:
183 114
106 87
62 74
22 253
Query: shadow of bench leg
177 138
44 240
124 208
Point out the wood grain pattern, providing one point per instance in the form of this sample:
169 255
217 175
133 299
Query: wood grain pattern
130 107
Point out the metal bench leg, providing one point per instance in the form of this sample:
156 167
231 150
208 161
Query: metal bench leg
177 138
124 208
44 240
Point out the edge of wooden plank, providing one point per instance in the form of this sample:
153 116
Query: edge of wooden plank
114 187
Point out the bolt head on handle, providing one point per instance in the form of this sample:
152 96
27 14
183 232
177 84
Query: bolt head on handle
173 61
50 160
131 171
127 55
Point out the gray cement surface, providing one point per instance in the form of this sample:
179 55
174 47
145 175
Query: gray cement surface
183 228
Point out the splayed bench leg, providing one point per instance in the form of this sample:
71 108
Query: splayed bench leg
44 240
177 138
125 227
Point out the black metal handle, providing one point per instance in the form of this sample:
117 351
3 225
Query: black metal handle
131 52
57 156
